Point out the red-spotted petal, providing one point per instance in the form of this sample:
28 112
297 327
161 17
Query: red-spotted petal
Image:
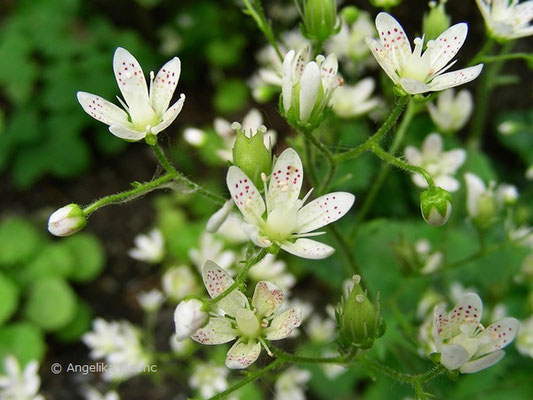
467 311
441 328
164 85
216 281
393 38
242 355
455 78
169 116
307 248
500 334
101 109
324 210
283 324
131 81
383 58
446 46
267 298
245 195
217 331
285 181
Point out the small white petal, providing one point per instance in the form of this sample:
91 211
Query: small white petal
283 324
101 109
286 181
245 195
216 281
169 116
164 85
482 363
309 87
324 210
267 298
242 355
453 356
125 133
307 248
455 78
217 331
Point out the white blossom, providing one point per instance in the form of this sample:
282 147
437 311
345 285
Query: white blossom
151 301
272 270
211 248
441 165
290 384
67 220
506 19
91 393
350 101
195 137
209 379
321 330
451 111
416 72
431 261
288 223
18 383
524 339
179 282
146 112
149 248
189 317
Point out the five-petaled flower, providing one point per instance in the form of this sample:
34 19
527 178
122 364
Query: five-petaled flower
250 321
288 223
463 343
507 20
147 112
416 72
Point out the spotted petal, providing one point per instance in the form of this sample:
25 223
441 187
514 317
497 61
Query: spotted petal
441 328
455 78
499 335
447 45
267 298
482 363
216 281
467 311
101 109
245 195
169 116
242 355
286 181
324 210
393 38
453 356
283 324
412 86
164 85
217 331
383 58
307 248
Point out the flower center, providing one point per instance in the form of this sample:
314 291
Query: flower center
417 65
281 223
247 323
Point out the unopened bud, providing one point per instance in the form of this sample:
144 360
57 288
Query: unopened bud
67 220
319 19
189 317
350 14
251 155
385 4
436 21
436 206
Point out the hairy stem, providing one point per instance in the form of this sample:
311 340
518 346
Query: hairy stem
256 12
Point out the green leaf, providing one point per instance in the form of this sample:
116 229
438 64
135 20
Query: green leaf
19 241
89 256
24 340
9 298
231 96
51 304
80 324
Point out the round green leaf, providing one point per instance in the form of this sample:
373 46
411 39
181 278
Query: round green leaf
9 298
23 340
80 324
53 260
51 304
89 257
19 241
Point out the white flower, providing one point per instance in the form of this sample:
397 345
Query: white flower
149 248
507 20
441 165
416 72
119 342
151 301
524 339
332 371
232 230
464 343
428 301
188 318
209 379
290 384
216 220
321 330
147 112
20 384
250 322
251 124
272 270
180 347
307 86
211 248
91 393
430 261
179 282
457 291
67 220
451 112
424 335
195 137
288 222
483 202
529 173
351 101
506 194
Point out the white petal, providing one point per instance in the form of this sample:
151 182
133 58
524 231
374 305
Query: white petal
383 58
390 30
500 333
328 72
475 187
467 311
447 182
217 331
125 133
287 80
432 145
309 87
453 356
412 86
245 195
446 46
267 298
482 363
456 78
216 281
324 210
307 248
241 355
218 218
413 155
101 109
524 12
441 328
285 181
223 128
170 115
283 324
252 121
164 85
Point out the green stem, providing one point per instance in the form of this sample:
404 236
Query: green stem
250 378
387 125
487 47
259 17
345 249
311 166
294 358
384 170
327 154
414 380
505 57
241 277
163 160
484 251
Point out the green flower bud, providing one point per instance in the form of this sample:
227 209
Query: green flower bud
436 21
350 14
359 320
486 210
67 220
319 19
436 206
385 4
250 154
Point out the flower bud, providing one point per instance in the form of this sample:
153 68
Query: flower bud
188 318
385 4
217 219
436 206
350 14
319 19
436 21
359 320
250 153
67 220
